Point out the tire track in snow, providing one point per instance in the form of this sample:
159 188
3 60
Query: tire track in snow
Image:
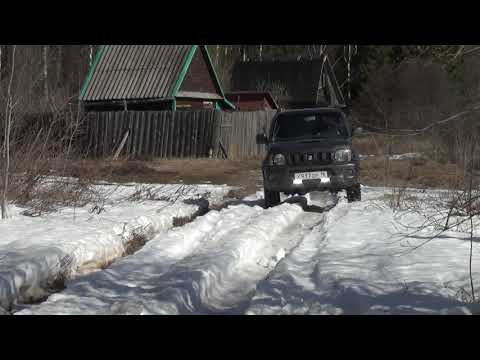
212 265
290 288
135 278
222 276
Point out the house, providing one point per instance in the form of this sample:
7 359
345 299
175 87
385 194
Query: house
252 100
294 83
152 77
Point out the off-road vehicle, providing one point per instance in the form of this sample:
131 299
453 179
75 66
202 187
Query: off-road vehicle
309 150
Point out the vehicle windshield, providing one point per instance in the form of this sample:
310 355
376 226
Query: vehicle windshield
309 126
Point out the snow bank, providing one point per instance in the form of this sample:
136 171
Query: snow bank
36 251
209 265
357 263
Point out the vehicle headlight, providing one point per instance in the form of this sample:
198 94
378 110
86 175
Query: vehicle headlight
278 159
344 155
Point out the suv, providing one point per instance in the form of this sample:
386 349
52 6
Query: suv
309 150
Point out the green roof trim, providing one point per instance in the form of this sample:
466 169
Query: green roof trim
184 71
98 56
228 103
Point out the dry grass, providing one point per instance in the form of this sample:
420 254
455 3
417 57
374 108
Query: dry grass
414 173
378 144
430 170
245 174
135 243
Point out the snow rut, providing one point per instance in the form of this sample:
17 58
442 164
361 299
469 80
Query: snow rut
290 288
211 265
221 276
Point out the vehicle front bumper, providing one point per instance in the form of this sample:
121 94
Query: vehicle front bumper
280 178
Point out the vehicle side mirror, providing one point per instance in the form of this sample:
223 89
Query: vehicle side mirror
262 139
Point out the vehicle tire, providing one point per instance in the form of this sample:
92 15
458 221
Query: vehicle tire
354 193
272 198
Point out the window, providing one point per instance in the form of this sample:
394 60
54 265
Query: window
308 126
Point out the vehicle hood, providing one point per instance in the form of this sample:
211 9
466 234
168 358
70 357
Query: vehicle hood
306 146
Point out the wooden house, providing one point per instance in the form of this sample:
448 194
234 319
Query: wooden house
152 77
252 100
294 83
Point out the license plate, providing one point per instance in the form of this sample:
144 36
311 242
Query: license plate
316 175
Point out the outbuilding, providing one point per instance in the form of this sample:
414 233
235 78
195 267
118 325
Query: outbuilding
152 77
252 100
294 83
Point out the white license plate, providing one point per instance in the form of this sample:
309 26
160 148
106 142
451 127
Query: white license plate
316 175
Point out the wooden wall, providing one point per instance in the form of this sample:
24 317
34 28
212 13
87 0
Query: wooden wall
180 134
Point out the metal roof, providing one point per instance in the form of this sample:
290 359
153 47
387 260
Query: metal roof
130 72
299 79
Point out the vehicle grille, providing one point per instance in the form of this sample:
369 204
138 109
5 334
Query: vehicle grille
316 158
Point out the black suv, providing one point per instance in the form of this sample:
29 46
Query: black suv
309 150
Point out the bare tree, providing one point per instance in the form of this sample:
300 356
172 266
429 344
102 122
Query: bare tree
90 55
9 107
45 70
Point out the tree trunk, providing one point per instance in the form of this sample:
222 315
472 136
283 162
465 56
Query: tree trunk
45 71
8 125
90 56
59 66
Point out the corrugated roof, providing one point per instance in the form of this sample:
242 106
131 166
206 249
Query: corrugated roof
130 72
299 79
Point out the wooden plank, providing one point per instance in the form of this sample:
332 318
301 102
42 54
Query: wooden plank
163 139
209 133
188 136
155 135
167 133
111 134
136 130
171 147
149 136
201 134
171 135
161 136
131 128
195 135
99 135
181 140
141 137
176 138
115 130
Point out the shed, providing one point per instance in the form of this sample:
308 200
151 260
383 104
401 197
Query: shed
152 77
252 100
294 83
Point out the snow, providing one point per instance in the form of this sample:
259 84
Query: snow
406 156
210 265
342 259
357 263
36 250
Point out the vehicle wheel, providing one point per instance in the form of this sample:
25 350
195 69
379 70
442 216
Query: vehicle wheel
272 198
354 193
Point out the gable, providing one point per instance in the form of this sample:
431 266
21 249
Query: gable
295 81
199 78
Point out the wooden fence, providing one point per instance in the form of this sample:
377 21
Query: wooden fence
180 134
